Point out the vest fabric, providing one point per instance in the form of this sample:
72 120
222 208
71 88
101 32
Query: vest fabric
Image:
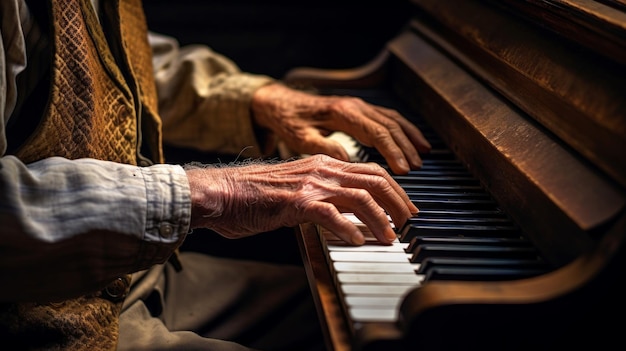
101 102
96 104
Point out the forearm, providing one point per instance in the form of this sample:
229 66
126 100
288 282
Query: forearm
75 225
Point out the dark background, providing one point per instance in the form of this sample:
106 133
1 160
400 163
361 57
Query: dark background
271 36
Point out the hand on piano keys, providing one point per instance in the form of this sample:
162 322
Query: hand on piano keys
302 124
373 277
459 234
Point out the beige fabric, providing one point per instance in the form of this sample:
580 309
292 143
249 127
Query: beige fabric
204 100
220 304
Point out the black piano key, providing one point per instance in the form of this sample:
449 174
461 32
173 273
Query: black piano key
436 172
493 241
453 203
447 262
418 194
412 230
439 151
363 155
480 274
461 213
433 161
431 168
453 217
421 252
459 220
417 221
441 165
442 179
441 188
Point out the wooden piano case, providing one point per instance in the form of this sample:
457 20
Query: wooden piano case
530 95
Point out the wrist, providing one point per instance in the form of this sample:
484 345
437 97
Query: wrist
208 195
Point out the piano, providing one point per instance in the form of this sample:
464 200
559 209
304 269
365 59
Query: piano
519 243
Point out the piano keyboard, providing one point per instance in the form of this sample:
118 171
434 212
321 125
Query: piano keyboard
373 278
459 234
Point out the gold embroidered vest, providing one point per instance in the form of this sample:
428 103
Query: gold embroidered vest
102 102
96 105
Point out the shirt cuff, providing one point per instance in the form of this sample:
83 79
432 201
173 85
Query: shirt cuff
168 200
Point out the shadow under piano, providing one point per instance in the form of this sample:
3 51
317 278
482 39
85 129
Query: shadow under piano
519 243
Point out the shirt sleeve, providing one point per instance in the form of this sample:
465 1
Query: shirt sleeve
69 226
204 100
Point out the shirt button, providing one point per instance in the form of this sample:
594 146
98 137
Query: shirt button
166 230
117 289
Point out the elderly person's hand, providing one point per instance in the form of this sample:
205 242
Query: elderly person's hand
243 200
302 120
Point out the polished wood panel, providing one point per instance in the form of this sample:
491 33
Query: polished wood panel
574 91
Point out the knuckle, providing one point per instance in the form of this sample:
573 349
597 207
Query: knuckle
308 182
380 171
321 159
318 209
363 196
379 182
345 103
380 133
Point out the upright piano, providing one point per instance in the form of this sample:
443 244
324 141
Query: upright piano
519 243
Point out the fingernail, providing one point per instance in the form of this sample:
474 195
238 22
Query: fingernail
403 164
358 239
416 160
390 234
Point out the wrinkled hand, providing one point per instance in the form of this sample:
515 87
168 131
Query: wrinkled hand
302 120
243 200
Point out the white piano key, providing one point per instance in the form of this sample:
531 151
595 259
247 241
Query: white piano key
369 314
349 144
373 278
376 289
354 219
374 301
376 267
409 278
342 246
333 239
355 256
327 234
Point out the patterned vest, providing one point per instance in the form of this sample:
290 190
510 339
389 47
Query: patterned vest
101 103
97 106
